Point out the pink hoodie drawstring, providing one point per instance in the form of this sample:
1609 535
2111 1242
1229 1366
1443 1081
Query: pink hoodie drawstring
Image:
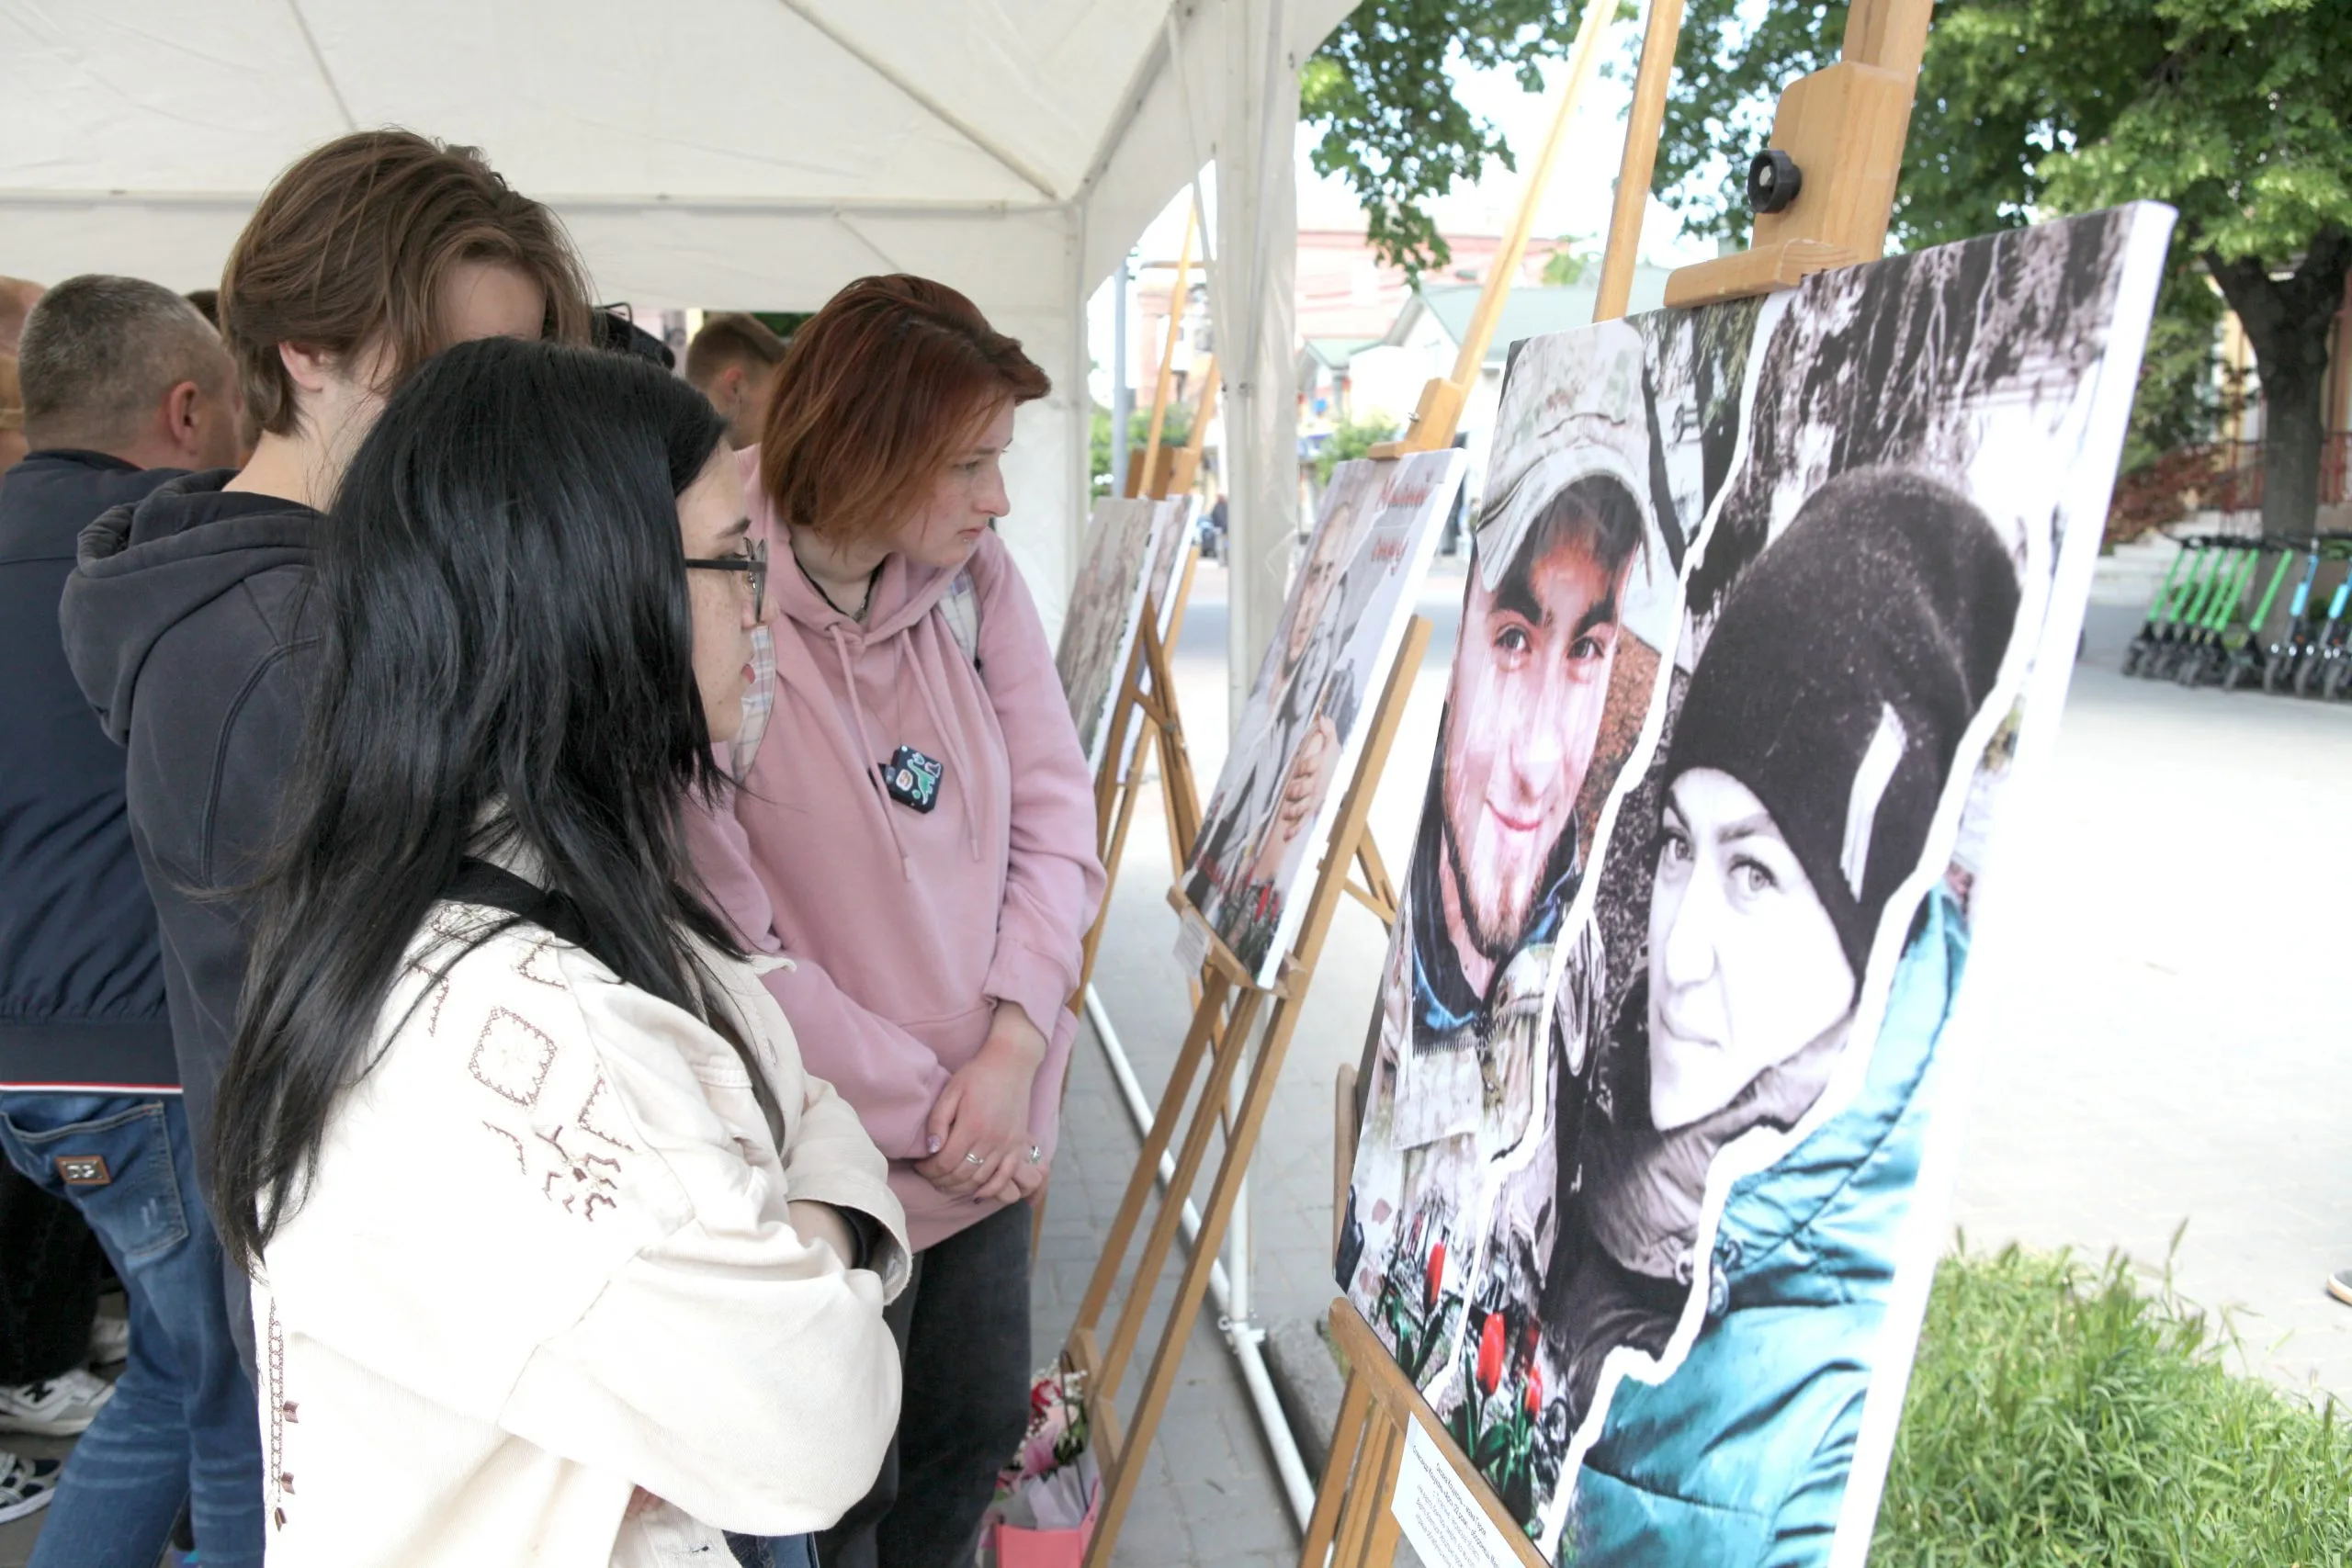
873 776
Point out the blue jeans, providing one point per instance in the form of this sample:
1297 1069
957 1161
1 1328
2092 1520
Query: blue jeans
778 1552
182 1426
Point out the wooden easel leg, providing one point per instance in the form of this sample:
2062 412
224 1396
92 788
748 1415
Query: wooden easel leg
1121 822
1179 792
1146 1171
1323 1525
1107 782
1375 1482
1376 879
1193 1288
1231 1045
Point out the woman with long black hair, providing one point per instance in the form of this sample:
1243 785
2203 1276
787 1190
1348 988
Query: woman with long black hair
561 1257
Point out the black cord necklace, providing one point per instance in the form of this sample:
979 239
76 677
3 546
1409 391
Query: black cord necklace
863 606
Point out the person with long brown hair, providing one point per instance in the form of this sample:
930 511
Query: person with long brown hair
185 619
916 834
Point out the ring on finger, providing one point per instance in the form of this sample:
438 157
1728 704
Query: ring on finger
1037 1155
975 1158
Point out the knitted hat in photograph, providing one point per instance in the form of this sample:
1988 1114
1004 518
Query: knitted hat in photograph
1846 664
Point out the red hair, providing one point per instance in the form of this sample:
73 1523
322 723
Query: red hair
876 395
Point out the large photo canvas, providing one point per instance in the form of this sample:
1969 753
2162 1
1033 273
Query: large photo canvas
1766 602
1124 543
1302 727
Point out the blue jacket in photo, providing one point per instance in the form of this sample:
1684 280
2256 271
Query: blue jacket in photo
1740 1458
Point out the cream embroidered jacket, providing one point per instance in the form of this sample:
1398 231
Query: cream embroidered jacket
545 1259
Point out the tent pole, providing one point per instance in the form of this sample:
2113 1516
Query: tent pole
1123 395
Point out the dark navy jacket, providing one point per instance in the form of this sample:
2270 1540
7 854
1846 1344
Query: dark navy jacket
81 966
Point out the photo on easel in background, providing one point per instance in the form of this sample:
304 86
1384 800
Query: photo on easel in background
1338 632
1179 539
1127 543
1753 621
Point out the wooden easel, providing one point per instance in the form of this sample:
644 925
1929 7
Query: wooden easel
1844 127
1352 1519
1843 130
1223 1025
1147 694
1146 691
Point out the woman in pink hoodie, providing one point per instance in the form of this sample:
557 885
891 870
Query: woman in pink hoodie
916 834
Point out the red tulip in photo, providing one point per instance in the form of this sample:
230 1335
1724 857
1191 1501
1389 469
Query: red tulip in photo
1490 1353
1534 1391
1436 1273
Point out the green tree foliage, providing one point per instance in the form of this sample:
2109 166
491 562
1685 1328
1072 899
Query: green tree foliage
1352 438
1566 267
1392 127
1174 432
784 323
2235 111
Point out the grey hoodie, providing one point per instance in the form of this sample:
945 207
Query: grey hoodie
183 624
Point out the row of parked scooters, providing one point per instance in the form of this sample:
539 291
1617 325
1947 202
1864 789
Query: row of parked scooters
2206 624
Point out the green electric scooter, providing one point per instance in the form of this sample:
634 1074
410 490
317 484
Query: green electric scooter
2184 586
2161 608
2236 654
2210 612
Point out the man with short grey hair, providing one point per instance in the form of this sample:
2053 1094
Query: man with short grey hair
126 385
127 368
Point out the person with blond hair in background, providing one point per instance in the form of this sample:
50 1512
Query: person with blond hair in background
732 362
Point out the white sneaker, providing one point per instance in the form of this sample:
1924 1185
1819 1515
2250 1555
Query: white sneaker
25 1486
109 1341
60 1407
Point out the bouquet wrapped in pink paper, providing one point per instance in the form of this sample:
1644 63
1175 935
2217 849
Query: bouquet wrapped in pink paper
1043 1511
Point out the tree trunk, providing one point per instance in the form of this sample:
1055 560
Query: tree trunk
2288 321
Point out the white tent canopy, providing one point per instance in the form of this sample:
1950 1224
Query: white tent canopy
726 154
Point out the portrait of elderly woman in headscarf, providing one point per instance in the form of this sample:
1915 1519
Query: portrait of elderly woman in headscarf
1815 741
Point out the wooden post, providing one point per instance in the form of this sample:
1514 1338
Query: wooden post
1440 413
1844 128
1167 386
1219 1038
1659 35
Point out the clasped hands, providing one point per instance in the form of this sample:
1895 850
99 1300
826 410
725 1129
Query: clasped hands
979 1134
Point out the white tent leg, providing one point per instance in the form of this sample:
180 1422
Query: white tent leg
1257 241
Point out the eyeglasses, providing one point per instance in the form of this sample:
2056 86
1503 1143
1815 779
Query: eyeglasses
753 564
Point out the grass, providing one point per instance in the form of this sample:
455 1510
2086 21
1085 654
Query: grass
2059 1415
